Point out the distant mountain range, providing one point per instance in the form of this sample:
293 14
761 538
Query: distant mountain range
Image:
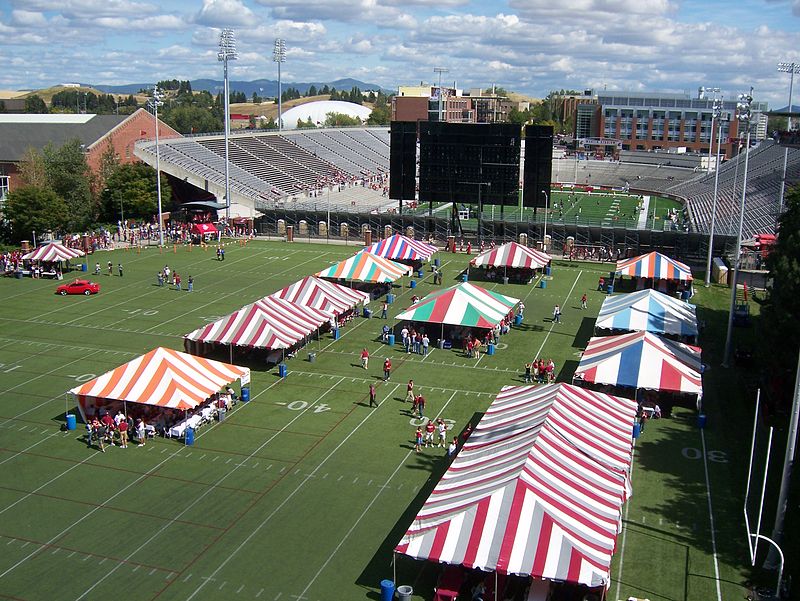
262 87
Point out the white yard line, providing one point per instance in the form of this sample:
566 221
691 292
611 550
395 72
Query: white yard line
711 516
539 352
366 510
203 495
288 498
624 527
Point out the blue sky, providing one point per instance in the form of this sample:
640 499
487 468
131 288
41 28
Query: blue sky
528 46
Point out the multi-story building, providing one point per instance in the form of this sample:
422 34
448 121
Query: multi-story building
649 121
421 103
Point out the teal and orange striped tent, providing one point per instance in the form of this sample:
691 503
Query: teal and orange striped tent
366 267
462 305
654 265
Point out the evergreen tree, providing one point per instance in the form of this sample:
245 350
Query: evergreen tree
34 104
312 90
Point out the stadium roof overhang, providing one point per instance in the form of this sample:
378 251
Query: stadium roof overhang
203 204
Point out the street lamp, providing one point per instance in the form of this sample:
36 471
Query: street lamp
718 115
546 208
155 102
227 52
744 114
790 68
441 70
279 56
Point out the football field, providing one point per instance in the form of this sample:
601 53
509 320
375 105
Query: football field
302 493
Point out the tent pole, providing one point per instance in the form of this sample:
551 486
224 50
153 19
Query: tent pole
230 347
495 585
394 567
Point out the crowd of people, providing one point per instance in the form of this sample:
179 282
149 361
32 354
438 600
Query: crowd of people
540 371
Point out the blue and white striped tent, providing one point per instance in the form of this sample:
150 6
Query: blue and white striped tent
648 311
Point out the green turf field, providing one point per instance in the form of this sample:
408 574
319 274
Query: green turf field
616 209
302 493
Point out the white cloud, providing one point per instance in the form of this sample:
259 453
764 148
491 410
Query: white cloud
224 13
28 18
154 23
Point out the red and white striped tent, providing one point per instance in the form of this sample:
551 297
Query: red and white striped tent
536 490
654 265
642 360
512 254
402 248
163 377
53 252
269 323
323 295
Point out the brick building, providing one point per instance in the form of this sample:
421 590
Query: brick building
421 103
19 132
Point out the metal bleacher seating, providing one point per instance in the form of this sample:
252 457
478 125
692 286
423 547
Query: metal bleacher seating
764 175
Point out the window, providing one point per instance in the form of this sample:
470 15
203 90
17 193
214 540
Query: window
3 190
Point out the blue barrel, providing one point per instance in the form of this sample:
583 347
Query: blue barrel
390 339
283 370
245 394
420 274
547 270
389 298
702 420
387 590
189 438
610 288
413 283
490 349
436 262
72 422
637 430
464 277
518 320
542 283
84 267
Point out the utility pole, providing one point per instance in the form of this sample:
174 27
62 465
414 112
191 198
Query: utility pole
440 70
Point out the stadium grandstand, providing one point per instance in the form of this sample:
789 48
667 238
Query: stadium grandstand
346 171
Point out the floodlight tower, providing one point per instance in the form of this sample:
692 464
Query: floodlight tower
279 56
744 114
718 116
156 101
227 52
714 115
791 69
440 70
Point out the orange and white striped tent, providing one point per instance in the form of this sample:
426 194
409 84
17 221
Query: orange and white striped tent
163 377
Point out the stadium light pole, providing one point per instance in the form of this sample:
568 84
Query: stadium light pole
714 115
156 101
227 52
743 108
718 114
790 68
440 70
279 56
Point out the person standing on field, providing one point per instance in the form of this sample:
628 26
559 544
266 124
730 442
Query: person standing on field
387 369
372 396
365 358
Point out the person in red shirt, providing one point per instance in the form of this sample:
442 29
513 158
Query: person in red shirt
372 396
365 358
409 391
420 406
387 369
123 434
430 429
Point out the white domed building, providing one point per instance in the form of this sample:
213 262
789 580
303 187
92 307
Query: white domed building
318 112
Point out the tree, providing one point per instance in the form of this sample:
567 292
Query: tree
30 208
341 120
307 124
132 189
780 314
34 104
381 115
31 169
312 90
68 175
192 119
